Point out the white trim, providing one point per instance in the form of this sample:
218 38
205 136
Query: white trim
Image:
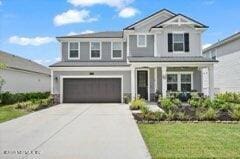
171 64
179 78
128 46
91 68
133 84
73 58
155 45
148 73
178 52
90 50
155 80
93 76
145 36
51 81
116 58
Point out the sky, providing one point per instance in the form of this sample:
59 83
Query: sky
28 27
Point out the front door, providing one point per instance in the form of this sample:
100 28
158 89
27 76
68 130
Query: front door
142 84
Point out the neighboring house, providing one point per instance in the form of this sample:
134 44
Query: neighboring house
22 75
161 52
227 71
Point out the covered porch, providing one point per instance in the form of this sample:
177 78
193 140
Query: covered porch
147 78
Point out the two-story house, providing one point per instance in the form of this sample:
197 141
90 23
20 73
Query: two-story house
227 70
161 52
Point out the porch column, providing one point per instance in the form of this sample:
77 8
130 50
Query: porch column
133 90
164 81
155 80
211 81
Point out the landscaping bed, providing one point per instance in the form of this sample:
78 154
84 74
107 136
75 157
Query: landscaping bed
224 107
19 105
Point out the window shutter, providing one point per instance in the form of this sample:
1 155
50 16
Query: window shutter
170 42
186 41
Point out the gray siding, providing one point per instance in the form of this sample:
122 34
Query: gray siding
85 52
141 51
126 78
194 41
23 81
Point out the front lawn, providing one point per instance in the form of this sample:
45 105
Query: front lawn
10 112
192 140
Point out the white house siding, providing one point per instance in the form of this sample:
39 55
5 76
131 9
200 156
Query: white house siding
227 73
22 81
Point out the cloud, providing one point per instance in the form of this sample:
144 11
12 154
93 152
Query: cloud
128 12
83 32
35 41
0 2
73 16
206 46
112 3
208 2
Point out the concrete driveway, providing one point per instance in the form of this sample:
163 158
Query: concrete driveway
74 131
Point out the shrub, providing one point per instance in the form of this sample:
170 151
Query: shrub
170 115
137 103
229 97
160 115
169 104
9 98
126 99
209 114
144 109
235 113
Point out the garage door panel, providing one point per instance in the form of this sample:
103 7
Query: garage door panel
85 90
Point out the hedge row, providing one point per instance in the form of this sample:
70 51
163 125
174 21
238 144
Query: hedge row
9 98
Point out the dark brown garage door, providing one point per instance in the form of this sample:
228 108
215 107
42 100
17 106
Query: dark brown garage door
92 90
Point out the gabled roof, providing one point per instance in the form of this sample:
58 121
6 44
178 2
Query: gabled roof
198 24
222 42
19 63
106 34
130 27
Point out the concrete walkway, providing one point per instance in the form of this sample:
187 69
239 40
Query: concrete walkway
74 131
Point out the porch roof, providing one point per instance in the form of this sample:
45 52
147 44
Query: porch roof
172 59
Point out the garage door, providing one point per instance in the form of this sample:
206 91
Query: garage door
92 90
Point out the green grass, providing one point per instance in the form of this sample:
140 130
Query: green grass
189 140
9 112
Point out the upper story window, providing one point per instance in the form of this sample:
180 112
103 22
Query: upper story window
117 50
95 50
74 52
141 41
178 42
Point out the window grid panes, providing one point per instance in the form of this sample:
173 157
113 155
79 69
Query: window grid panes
178 42
186 82
172 82
74 50
95 49
117 50
142 40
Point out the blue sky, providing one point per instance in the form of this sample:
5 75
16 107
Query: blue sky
28 27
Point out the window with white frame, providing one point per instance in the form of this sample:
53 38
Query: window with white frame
116 50
95 50
141 41
178 42
74 50
186 82
179 82
172 82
